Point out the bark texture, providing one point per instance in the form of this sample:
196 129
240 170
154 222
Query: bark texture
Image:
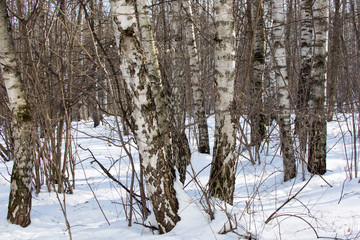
257 87
306 60
198 93
302 114
19 207
148 116
222 173
175 140
334 64
180 147
317 116
283 95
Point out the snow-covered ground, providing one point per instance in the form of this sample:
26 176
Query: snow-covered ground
327 206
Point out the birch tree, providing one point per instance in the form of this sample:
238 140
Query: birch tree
20 188
176 101
197 92
256 115
283 95
301 121
142 79
158 84
334 62
222 173
317 112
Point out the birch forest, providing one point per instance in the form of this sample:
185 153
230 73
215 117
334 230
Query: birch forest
156 73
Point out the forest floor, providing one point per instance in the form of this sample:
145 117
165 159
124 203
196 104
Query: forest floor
326 207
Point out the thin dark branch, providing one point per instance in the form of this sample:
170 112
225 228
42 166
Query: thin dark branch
147 226
291 215
271 217
133 195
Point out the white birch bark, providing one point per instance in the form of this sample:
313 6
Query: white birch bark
222 174
283 96
198 93
20 189
170 118
317 115
306 50
306 61
142 80
153 71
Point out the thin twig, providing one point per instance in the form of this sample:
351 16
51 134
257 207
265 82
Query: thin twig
197 174
87 182
291 215
342 191
134 195
287 201
205 194
147 226
325 181
63 209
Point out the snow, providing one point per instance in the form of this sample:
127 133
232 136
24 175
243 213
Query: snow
327 206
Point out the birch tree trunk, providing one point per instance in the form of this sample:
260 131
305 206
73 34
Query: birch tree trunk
302 115
170 117
161 98
198 93
20 189
142 78
334 53
257 87
283 95
317 115
222 173
180 147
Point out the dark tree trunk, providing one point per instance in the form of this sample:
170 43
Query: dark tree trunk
317 116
